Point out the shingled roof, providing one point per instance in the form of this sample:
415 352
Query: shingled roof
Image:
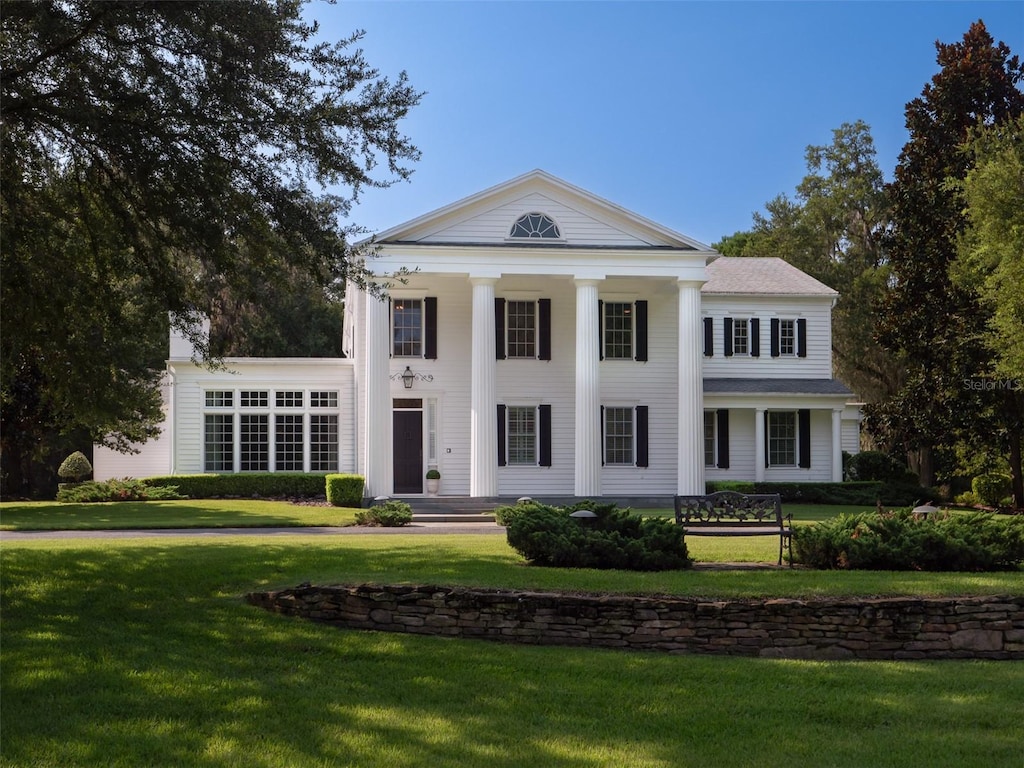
761 275
775 387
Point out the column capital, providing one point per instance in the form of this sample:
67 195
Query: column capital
482 280
584 282
683 283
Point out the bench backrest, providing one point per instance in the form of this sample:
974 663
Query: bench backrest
730 508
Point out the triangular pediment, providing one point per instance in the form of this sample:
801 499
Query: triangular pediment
581 219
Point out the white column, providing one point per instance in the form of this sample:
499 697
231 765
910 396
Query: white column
837 445
690 451
483 462
759 456
588 391
378 398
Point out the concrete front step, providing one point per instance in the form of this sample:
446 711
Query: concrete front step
460 518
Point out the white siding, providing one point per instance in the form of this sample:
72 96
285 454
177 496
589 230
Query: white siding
153 457
494 225
817 312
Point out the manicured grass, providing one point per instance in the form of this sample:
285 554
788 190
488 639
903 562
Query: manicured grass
229 513
189 513
142 652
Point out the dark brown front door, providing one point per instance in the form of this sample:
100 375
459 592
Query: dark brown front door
408 443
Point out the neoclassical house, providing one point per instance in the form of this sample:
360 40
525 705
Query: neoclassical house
545 342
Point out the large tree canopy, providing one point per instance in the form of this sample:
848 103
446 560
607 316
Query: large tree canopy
834 230
154 155
927 320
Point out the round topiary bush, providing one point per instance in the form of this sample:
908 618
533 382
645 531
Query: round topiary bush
991 488
75 468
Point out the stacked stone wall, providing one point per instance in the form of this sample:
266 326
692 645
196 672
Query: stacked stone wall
886 628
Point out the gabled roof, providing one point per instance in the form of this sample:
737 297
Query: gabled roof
434 225
765 276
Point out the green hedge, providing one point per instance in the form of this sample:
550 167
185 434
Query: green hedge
127 489
615 538
345 490
247 485
868 492
391 514
902 541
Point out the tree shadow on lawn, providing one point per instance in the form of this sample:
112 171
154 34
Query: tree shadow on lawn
140 655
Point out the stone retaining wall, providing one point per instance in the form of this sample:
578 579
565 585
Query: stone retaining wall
889 628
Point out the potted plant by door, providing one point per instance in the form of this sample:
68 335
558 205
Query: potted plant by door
433 481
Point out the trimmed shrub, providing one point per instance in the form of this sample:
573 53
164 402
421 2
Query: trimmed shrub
739 486
345 490
128 489
868 492
901 541
876 465
75 468
249 485
991 488
549 536
390 514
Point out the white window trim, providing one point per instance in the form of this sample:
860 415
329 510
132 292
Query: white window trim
631 407
735 322
796 438
613 298
535 407
711 415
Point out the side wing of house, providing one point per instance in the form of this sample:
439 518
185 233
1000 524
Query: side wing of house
773 410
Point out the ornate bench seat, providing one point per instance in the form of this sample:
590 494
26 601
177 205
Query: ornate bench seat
728 513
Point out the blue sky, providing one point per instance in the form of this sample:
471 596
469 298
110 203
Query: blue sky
693 114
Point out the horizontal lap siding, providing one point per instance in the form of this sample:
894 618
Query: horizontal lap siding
494 225
741 448
652 383
817 312
153 457
551 382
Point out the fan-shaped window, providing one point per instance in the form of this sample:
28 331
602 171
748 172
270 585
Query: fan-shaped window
535 225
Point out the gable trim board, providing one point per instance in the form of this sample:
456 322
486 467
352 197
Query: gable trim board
677 295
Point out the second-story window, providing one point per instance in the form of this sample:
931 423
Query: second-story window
522 329
407 328
787 337
740 336
618 331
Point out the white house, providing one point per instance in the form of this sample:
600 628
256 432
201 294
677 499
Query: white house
545 342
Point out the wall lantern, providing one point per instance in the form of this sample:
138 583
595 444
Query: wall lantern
407 378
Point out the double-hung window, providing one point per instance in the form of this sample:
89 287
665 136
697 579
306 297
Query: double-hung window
742 336
522 328
624 435
782 438
710 444
623 330
524 435
407 327
789 337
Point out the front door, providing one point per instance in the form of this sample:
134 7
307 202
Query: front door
408 443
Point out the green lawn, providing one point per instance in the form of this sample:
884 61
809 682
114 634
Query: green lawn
189 513
228 513
142 653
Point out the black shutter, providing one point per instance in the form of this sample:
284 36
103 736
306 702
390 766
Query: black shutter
709 337
602 435
801 338
544 330
502 459
727 336
641 331
600 323
804 437
775 337
430 328
755 337
544 417
642 456
499 329
723 438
